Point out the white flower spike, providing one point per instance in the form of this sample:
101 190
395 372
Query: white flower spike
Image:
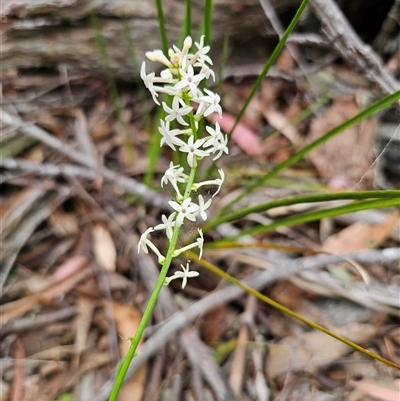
184 71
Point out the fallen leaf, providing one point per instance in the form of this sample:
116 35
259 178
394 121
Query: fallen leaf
16 206
347 157
282 124
104 248
63 223
245 137
70 266
360 236
383 391
305 353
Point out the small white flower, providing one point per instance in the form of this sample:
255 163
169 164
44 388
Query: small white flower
202 51
179 109
203 206
168 224
184 274
159 56
167 76
189 80
142 245
218 182
193 150
206 70
173 175
179 58
169 137
221 147
210 103
144 242
215 138
148 80
199 243
187 210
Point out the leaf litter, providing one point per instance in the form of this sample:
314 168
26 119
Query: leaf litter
72 294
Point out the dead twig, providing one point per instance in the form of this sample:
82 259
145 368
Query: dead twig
350 47
25 231
200 355
389 28
36 321
71 171
257 281
73 154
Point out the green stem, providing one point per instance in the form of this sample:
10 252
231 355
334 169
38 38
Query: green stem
124 366
123 369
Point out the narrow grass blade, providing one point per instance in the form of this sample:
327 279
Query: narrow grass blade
222 63
259 245
207 21
216 270
371 110
161 24
270 62
320 214
361 195
139 84
154 149
101 44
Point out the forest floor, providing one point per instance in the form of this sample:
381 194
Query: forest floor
74 287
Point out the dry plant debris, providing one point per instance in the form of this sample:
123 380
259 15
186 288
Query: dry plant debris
73 203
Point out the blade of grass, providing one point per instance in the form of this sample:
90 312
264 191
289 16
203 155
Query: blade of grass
139 84
300 116
371 110
320 214
161 24
101 44
216 270
186 28
259 245
207 21
269 63
222 63
361 195
154 148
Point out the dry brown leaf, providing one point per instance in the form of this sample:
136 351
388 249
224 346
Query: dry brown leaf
236 374
63 223
127 319
16 206
244 136
360 236
345 158
279 121
285 61
308 351
69 267
383 391
104 248
305 352
215 324
85 307
99 127
49 121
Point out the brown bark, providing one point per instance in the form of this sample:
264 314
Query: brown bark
47 33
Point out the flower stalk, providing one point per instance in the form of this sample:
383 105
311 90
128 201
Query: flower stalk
181 79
